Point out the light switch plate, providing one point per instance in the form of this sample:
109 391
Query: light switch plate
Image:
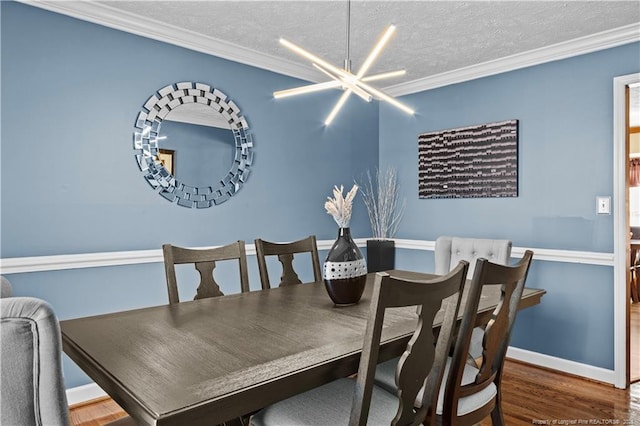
603 205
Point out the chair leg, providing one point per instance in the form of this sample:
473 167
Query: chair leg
497 418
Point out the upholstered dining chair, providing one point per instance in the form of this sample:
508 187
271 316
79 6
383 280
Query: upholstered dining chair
204 261
285 253
32 390
450 250
358 401
470 391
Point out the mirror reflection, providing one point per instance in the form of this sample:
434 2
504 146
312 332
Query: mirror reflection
203 144
193 145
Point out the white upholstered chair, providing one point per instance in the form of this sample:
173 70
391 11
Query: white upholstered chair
450 250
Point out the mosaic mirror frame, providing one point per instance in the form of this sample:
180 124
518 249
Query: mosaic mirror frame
146 136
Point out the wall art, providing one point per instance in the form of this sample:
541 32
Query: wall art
470 162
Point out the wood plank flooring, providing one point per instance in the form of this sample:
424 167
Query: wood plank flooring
531 395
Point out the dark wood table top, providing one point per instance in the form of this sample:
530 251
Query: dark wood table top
211 360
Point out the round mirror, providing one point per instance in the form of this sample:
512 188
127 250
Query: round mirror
192 145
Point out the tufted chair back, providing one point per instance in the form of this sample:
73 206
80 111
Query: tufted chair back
451 250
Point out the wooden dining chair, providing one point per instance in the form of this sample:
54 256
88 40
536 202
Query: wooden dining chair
285 253
205 262
472 392
421 367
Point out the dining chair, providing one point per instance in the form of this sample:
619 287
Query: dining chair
205 262
421 368
450 250
472 392
285 253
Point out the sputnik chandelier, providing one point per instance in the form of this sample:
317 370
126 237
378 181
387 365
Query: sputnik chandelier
343 78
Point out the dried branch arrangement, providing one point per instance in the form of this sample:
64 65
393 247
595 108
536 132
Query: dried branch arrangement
380 194
340 207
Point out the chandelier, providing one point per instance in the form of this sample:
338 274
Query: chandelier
343 78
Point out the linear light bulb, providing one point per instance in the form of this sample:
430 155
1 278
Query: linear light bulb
337 107
376 51
384 75
313 58
306 89
386 98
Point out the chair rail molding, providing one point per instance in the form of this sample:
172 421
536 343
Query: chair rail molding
17 265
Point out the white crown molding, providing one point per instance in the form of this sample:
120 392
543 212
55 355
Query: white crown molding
18 265
579 46
124 21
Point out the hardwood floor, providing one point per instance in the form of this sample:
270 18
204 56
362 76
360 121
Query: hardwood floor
530 396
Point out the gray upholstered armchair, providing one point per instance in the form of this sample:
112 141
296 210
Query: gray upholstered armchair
32 388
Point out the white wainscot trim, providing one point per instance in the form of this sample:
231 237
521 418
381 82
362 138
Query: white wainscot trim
17 265
571 367
550 255
84 393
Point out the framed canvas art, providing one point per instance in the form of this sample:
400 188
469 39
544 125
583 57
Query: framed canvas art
470 162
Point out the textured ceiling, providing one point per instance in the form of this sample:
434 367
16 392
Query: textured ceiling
432 37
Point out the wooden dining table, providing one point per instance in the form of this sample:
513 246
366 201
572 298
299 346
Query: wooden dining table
211 360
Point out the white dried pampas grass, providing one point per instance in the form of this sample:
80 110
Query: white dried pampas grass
340 207
381 196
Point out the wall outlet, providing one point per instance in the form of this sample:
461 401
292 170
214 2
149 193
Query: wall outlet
603 205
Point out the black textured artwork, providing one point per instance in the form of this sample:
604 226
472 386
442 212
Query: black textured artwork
469 162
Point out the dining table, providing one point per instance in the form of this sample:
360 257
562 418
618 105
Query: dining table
212 360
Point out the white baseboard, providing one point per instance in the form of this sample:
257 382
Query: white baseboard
92 391
84 393
572 367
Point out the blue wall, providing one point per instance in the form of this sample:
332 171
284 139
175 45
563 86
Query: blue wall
71 91
565 118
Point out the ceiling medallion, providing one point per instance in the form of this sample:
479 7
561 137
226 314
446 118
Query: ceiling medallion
343 78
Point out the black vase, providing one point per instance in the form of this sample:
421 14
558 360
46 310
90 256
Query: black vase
381 255
345 270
